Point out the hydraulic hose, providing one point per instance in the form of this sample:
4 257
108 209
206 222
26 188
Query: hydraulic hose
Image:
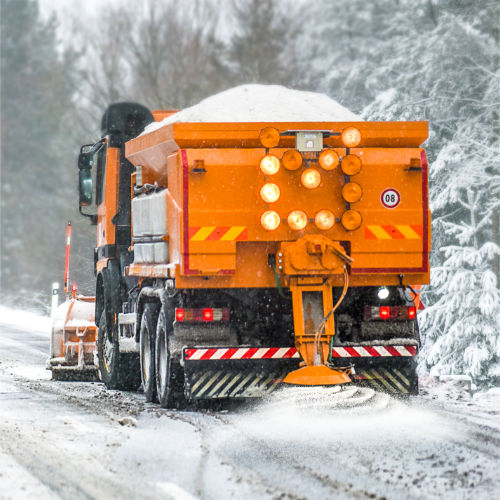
317 353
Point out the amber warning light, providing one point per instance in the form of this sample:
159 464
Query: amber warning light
269 165
270 220
270 192
350 137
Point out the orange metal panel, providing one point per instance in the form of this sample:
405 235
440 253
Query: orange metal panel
206 206
107 209
160 114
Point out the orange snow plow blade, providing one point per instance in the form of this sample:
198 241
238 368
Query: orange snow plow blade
73 340
317 375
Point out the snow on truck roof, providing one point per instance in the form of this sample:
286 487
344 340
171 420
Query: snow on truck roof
261 103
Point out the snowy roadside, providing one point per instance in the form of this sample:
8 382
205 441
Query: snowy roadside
453 394
31 321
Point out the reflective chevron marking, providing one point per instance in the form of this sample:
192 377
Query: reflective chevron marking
373 351
218 233
394 380
251 383
393 232
385 379
240 353
215 354
402 377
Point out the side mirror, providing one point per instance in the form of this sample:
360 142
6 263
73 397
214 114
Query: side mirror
85 186
85 160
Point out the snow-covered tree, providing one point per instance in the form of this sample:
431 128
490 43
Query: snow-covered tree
456 87
462 326
436 61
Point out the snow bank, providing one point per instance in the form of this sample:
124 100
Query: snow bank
261 103
24 319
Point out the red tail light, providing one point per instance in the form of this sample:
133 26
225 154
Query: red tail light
398 313
179 314
385 312
205 315
208 314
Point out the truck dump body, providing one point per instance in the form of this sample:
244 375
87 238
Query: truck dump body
214 204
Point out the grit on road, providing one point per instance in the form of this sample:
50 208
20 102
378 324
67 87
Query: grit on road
80 440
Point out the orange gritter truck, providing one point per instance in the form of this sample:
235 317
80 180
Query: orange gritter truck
233 258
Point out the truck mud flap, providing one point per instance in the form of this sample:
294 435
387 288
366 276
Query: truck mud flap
251 377
395 376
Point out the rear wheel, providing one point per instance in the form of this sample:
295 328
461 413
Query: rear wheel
117 371
169 379
147 350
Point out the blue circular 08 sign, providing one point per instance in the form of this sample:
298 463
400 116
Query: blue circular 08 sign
390 198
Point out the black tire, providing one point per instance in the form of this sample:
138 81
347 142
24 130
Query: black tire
169 374
117 371
147 351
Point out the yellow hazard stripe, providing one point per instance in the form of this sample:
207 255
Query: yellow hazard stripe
408 232
203 233
394 381
379 232
233 233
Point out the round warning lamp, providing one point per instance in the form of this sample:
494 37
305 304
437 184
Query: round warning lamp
350 137
351 165
270 220
352 192
270 192
351 220
292 159
310 178
328 159
269 137
269 165
297 220
383 293
324 219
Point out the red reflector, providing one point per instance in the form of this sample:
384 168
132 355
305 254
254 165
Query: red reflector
384 312
411 312
208 314
179 314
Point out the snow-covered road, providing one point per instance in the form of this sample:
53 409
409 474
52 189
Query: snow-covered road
79 440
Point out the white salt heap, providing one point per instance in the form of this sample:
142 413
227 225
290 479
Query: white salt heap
262 103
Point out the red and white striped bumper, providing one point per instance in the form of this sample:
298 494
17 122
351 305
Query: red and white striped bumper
374 351
240 353
230 353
